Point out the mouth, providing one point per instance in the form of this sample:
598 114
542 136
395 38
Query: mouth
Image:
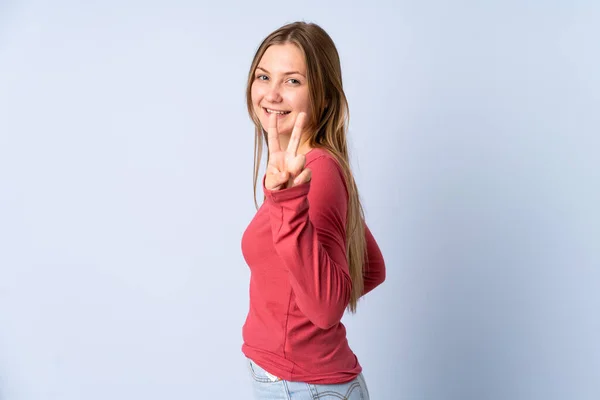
279 113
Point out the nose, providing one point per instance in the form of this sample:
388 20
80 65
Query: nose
273 93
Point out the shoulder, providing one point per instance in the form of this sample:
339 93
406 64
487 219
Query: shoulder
321 159
325 170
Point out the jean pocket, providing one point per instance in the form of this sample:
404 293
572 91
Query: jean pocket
353 390
259 374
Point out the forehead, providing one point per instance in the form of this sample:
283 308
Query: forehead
283 58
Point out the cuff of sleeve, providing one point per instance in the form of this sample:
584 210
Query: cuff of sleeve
296 192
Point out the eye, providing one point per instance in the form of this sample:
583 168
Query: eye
262 77
294 81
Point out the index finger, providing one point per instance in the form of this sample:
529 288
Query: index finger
296 134
273 134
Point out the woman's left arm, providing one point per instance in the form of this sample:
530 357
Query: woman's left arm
374 268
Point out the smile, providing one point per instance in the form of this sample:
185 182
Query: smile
270 111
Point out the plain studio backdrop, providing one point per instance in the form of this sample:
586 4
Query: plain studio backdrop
126 184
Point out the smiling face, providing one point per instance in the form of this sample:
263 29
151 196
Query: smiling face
280 86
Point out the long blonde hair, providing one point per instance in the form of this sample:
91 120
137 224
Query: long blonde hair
329 122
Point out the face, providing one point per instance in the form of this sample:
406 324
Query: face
280 86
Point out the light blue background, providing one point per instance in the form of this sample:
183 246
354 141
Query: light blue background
125 186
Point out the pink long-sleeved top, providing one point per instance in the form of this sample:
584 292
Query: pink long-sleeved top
300 285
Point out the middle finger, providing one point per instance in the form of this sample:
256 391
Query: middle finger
296 134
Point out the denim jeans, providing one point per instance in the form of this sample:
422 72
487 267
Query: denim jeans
269 387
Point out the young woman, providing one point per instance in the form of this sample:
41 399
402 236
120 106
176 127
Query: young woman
310 254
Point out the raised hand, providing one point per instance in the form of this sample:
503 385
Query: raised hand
285 168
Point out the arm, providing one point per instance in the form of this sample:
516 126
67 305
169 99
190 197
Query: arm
374 269
311 241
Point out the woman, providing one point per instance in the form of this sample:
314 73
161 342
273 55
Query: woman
310 253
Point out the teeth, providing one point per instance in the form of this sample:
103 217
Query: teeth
276 112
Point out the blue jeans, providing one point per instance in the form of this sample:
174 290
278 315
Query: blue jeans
269 387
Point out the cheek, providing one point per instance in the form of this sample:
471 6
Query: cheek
302 101
254 95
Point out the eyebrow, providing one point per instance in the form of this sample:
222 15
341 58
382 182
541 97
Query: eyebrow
286 73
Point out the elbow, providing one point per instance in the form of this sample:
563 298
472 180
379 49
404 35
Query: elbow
373 280
328 314
382 276
325 306
327 320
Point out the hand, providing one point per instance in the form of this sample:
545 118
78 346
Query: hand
285 168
